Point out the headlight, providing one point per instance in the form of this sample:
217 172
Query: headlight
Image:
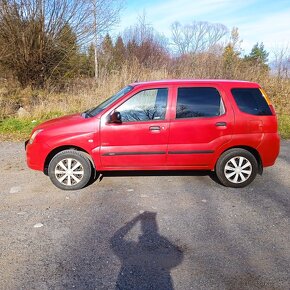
34 135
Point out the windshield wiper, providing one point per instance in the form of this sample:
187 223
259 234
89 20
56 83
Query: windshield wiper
87 114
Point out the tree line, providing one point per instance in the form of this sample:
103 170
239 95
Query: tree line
52 41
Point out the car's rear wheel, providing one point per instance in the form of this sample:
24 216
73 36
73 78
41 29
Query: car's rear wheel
236 168
70 170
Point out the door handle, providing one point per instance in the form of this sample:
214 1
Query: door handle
221 124
154 128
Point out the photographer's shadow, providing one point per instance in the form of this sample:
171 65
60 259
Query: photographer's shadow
146 264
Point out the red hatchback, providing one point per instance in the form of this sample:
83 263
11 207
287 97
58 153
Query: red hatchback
229 127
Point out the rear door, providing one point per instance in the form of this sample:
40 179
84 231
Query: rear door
201 121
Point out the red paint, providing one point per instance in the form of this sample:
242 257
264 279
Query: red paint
193 143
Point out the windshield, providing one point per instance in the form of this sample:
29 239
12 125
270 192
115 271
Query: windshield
95 111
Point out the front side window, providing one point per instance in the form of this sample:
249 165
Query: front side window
251 101
145 105
197 102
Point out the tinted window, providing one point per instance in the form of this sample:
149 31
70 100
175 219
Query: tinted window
145 105
198 102
251 101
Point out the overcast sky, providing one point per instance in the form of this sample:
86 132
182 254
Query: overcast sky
258 20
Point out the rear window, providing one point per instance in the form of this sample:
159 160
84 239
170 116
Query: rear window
251 101
196 102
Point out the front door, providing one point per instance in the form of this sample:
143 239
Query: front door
140 140
200 123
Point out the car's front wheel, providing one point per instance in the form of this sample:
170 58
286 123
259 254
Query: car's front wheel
70 170
236 167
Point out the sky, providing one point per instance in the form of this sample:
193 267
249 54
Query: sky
257 20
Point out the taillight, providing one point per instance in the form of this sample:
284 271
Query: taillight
272 110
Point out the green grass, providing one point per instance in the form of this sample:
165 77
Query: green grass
20 129
16 129
284 126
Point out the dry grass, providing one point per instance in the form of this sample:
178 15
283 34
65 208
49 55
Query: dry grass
76 96
82 94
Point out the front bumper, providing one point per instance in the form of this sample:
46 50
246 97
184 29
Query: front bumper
36 154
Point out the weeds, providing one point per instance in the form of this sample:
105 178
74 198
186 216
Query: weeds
284 126
82 94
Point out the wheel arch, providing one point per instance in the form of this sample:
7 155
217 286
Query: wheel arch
251 150
62 148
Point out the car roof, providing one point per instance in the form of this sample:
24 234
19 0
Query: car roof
231 83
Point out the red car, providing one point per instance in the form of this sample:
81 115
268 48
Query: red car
229 127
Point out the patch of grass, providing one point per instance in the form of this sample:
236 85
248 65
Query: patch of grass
20 128
284 126
16 128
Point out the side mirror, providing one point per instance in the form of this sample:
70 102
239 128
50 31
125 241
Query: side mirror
115 117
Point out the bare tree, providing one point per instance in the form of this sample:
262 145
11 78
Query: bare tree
145 44
105 15
235 40
143 31
281 61
197 37
40 35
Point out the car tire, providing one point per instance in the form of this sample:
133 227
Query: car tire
236 168
70 170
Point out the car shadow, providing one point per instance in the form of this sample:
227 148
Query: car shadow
141 173
146 264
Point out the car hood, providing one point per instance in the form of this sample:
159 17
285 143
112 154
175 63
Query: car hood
61 122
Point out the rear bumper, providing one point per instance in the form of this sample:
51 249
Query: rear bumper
269 148
36 154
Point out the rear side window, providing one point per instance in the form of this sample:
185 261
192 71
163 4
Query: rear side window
198 102
251 101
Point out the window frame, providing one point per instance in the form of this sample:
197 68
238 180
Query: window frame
201 117
152 120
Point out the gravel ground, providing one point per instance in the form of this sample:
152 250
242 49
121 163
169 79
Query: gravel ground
178 231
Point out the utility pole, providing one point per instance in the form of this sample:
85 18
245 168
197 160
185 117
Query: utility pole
96 39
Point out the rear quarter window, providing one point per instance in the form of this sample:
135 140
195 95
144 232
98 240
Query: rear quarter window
251 101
